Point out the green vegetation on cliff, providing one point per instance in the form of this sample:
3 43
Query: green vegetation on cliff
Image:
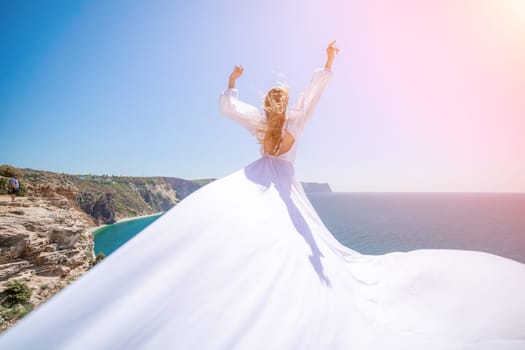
14 302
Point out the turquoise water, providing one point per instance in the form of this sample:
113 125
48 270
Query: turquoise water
378 223
110 237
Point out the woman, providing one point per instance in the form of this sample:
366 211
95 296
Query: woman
246 263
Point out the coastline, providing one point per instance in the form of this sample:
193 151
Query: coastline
95 228
138 217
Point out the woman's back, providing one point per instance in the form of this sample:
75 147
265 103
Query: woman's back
254 121
283 146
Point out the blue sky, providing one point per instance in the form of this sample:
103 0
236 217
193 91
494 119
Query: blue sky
131 88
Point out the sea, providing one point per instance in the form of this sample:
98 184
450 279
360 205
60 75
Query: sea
110 237
379 223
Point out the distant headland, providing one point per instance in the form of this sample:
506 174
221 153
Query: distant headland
315 187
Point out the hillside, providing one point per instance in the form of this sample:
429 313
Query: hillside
104 198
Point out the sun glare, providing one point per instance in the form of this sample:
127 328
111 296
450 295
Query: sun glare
506 19
510 13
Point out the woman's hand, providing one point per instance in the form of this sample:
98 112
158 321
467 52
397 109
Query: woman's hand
237 72
331 51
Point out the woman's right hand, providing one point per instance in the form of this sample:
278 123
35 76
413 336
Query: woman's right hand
237 72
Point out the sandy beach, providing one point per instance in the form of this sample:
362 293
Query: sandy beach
94 228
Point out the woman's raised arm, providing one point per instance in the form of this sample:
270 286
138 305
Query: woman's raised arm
310 96
231 107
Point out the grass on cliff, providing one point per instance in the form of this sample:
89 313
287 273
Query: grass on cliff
14 302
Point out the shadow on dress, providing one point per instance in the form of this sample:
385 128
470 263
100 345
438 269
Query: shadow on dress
281 173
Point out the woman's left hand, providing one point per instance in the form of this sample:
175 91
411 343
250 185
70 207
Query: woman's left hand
331 50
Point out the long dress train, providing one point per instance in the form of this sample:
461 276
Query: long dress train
245 262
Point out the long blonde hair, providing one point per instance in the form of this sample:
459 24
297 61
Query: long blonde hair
275 104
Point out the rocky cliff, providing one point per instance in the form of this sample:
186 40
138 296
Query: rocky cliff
107 199
43 243
45 236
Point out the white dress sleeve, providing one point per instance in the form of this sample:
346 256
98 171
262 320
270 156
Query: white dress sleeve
243 113
307 101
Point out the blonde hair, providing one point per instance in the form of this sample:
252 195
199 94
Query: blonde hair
275 104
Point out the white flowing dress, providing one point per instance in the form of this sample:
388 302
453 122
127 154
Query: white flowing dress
245 262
